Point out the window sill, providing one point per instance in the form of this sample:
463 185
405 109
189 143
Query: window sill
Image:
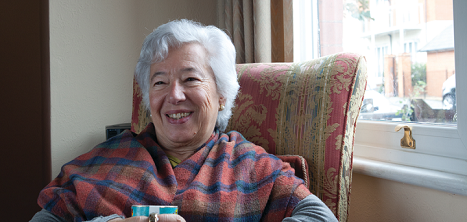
448 182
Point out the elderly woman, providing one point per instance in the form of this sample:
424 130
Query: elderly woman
187 75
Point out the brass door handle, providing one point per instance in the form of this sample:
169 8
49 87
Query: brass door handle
407 141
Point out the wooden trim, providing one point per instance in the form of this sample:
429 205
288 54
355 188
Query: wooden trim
25 100
45 74
282 30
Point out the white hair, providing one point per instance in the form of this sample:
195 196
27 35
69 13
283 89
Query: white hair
221 58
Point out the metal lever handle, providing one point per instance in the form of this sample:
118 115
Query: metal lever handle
407 141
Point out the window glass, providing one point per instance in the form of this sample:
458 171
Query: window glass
409 47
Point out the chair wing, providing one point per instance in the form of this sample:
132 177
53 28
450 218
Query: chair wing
308 109
140 116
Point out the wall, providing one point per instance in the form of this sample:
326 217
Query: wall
331 26
94 46
439 10
375 199
401 65
440 66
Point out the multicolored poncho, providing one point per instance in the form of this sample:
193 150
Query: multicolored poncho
227 179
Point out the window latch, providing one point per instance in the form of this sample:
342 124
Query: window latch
407 141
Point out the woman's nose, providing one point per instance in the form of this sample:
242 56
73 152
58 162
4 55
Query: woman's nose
176 93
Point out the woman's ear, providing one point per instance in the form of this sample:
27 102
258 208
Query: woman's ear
222 101
221 104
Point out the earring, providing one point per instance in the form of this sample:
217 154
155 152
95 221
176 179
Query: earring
221 107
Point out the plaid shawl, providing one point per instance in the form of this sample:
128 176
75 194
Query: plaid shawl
227 179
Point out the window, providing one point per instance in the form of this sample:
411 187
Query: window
380 53
306 41
389 34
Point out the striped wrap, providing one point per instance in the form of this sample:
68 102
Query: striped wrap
227 179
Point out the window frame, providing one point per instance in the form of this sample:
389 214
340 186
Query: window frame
440 158
306 44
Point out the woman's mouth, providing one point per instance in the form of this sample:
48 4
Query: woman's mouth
178 115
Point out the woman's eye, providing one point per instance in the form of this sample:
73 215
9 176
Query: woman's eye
158 83
191 79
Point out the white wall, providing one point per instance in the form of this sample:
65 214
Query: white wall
94 46
375 199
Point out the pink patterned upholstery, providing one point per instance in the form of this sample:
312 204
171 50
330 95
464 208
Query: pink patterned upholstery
308 109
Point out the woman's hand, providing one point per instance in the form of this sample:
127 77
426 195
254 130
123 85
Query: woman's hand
162 218
170 218
131 219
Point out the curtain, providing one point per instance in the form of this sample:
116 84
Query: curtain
261 30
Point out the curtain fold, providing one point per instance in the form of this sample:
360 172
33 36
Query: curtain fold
261 30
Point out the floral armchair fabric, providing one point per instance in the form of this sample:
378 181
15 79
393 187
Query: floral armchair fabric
308 109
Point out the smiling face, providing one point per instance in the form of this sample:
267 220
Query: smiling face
183 99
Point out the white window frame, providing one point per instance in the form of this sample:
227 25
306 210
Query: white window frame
440 158
305 39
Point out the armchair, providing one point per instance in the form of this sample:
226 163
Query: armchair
306 110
